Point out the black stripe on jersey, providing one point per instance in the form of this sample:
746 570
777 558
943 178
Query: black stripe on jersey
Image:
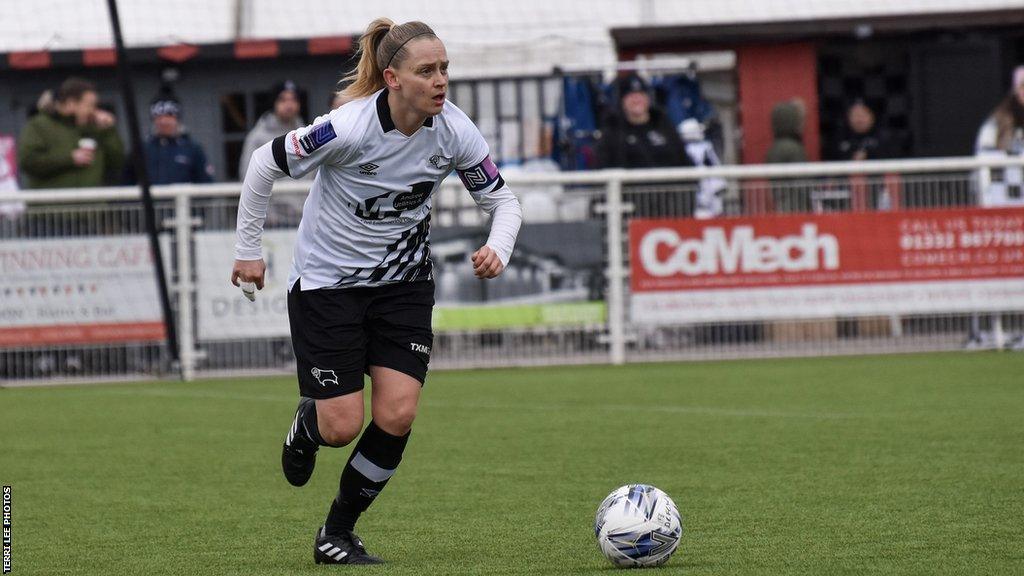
380 271
361 274
422 270
419 239
397 260
280 157
412 246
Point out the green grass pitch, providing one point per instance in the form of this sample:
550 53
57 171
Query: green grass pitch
861 465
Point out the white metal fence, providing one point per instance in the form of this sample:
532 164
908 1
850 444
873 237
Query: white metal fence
566 303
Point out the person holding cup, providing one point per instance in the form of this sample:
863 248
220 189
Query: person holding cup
71 143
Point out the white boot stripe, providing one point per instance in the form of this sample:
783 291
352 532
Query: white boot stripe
341 555
293 429
325 547
333 551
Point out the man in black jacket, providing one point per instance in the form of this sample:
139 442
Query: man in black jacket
641 136
861 139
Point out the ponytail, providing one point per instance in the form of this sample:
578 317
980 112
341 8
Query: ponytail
382 45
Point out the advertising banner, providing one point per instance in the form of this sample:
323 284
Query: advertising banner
815 266
89 290
223 313
553 280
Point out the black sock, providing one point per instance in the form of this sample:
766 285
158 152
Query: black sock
374 459
304 431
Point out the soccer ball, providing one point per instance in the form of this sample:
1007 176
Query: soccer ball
638 526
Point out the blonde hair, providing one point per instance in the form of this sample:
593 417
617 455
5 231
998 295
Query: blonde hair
382 45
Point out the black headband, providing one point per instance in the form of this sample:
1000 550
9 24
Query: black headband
393 54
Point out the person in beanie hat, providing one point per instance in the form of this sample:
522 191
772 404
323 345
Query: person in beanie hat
172 157
639 136
285 116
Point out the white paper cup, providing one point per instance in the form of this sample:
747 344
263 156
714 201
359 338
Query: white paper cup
87 143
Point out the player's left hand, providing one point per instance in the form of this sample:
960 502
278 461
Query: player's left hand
486 263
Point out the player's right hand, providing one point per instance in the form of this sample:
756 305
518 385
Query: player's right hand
249 271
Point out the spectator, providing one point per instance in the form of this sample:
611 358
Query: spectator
283 118
1002 134
71 144
788 146
172 157
861 139
711 191
788 133
639 136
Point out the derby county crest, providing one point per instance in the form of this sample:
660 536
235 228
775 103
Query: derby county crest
440 162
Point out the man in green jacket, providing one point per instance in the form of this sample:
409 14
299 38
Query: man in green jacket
72 145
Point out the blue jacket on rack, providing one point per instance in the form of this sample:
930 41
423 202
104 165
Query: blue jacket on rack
683 98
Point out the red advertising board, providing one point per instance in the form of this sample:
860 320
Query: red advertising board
766 255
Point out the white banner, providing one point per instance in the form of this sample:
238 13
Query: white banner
827 301
223 312
77 291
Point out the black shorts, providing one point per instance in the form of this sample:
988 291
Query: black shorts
337 334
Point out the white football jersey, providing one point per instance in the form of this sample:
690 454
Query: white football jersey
367 218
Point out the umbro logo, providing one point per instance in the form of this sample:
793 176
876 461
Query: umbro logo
369 169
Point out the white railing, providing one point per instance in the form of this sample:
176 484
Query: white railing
603 200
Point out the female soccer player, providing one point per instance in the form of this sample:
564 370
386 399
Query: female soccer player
361 289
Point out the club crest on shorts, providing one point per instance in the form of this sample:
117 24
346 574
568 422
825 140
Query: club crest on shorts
324 377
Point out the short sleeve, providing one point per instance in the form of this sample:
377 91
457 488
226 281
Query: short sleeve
326 141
